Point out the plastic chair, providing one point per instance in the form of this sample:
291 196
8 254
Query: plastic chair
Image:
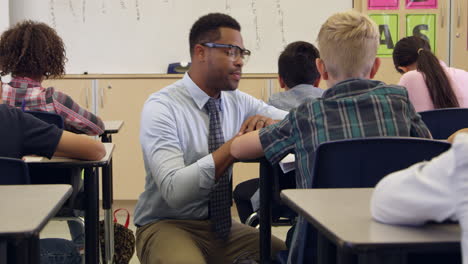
362 163
444 122
13 172
47 117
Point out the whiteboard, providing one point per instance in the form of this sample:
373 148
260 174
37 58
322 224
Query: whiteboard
144 36
4 15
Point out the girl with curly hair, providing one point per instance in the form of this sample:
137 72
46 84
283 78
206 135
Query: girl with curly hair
32 52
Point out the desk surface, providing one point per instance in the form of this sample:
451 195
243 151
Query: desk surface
68 161
112 127
343 216
27 208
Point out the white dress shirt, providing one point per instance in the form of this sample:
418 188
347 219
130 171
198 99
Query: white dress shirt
428 191
180 172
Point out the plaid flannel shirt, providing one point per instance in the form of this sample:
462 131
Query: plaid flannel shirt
31 96
354 108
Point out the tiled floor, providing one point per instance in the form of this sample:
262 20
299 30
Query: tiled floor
60 228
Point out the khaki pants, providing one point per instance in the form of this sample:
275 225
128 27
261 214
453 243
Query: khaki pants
192 242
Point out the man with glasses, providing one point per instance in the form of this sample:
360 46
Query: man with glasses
183 216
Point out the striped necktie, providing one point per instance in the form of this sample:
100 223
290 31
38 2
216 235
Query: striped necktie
220 196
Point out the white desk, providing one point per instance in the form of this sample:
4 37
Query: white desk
343 217
25 211
111 127
91 189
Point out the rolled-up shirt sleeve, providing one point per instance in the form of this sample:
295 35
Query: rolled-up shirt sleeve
258 107
179 183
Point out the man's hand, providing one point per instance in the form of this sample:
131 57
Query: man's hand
255 123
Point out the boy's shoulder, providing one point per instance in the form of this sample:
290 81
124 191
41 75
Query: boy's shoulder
391 88
357 87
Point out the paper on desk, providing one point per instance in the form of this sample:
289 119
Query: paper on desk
32 158
287 164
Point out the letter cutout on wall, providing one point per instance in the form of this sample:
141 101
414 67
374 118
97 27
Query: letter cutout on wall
388 28
421 4
424 26
382 4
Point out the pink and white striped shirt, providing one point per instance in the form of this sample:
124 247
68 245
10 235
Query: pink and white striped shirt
31 96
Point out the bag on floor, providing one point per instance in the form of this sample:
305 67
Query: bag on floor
124 240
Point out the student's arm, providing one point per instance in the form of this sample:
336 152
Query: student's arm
247 146
274 142
423 192
41 138
76 118
79 147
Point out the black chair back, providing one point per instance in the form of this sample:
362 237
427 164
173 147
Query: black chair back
47 117
444 122
13 172
362 163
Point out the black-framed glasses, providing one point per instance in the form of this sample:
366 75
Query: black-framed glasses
234 52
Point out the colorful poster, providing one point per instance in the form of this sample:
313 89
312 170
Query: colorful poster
421 4
422 25
382 4
388 28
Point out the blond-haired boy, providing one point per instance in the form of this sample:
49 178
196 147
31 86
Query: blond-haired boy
353 107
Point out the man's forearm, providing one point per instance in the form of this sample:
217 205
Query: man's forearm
223 159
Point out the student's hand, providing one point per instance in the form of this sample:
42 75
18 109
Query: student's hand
452 137
254 123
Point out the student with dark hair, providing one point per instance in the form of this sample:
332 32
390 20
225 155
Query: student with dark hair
430 83
183 215
298 75
32 52
22 134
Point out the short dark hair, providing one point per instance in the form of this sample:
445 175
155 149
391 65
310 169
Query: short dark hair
296 64
32 49
206 28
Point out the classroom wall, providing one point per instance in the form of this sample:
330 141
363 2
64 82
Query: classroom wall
4 15
144 36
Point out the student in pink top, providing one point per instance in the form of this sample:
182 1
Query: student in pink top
430 83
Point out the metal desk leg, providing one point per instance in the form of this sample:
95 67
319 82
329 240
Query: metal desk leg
106 138
3 251
343 257
325 250
265 211
107 199
33 247
386 257
91 189
107 191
